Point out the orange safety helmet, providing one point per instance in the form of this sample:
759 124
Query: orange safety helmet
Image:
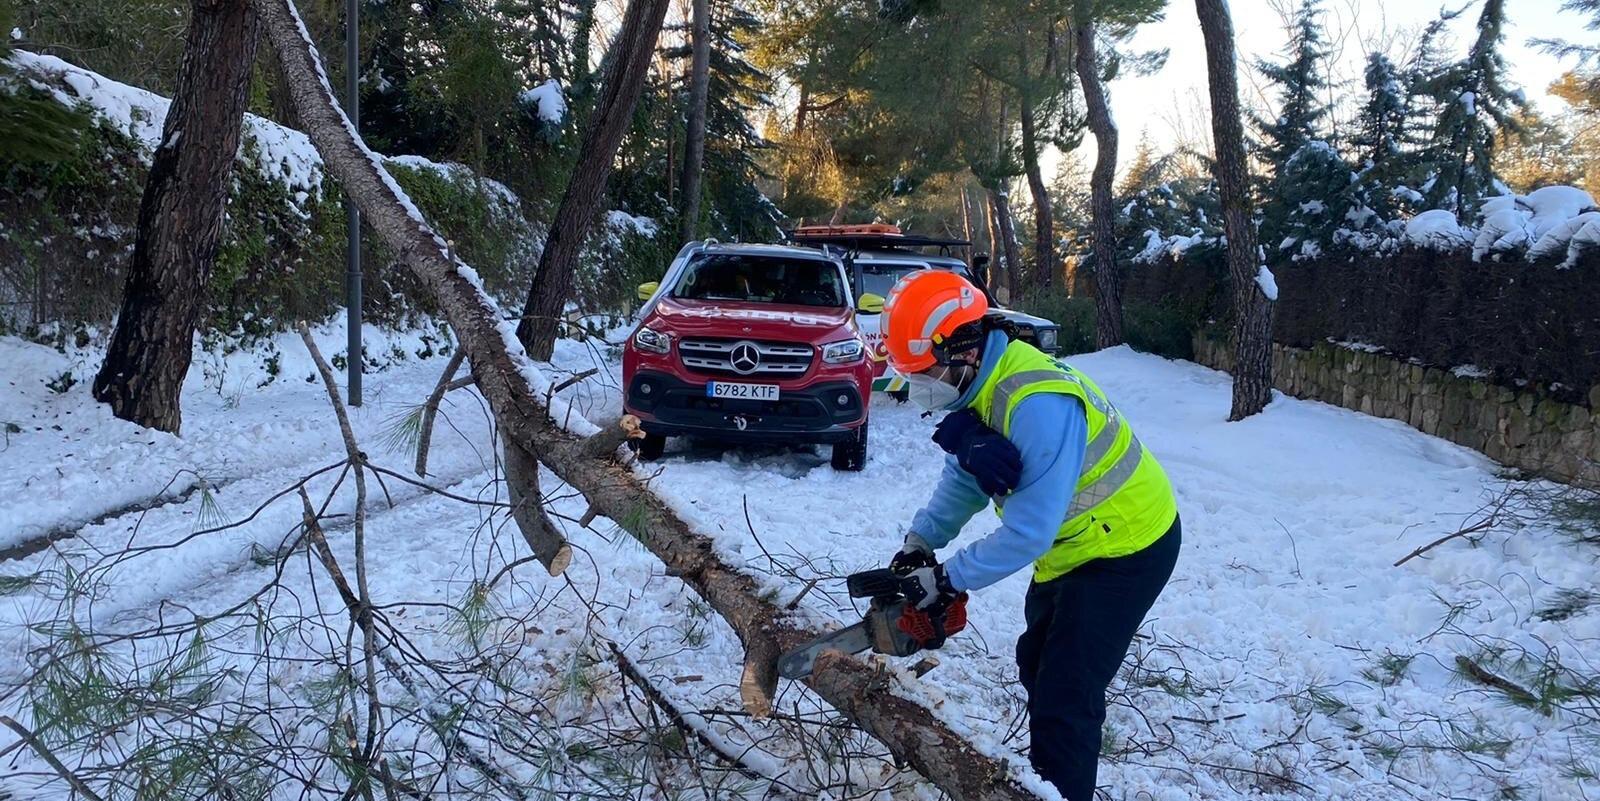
923 310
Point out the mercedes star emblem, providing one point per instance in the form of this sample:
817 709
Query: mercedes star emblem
745 358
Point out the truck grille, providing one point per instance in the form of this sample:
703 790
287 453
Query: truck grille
744 357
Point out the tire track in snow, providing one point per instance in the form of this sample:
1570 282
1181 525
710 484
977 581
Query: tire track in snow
35 544
265 518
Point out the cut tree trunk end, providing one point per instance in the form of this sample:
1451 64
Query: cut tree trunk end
1107 289
180 218
1252 310
522 482
862 692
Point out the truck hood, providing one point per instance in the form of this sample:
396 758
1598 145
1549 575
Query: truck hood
811 324
1023 317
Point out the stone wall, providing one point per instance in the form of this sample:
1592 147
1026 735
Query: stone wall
1520 427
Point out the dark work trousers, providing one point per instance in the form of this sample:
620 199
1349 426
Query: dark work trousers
1079 629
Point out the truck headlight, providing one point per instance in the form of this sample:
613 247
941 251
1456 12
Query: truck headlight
843 352
1047 338
652 341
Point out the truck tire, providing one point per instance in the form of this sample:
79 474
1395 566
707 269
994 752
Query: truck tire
651 446
851 455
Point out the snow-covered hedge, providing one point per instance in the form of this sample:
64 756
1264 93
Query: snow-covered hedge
1552 225
1556 222
1504 293
1516 324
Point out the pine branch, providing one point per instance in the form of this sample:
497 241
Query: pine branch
676 717
368 638
50 758
430 409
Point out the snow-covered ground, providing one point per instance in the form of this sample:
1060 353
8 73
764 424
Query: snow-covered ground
1287 658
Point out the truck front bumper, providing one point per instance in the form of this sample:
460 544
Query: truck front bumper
825 412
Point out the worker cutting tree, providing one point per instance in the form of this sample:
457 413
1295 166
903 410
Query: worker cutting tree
1080 497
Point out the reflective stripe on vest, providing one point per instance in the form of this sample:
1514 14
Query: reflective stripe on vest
1087 495
1112 480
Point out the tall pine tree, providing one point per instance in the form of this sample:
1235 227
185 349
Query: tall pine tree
1419 167
1297 217
1301 85
1380 139
1475 105
733 207
1380 129
738 90
1142 173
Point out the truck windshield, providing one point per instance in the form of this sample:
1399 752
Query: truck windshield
878 278
755 278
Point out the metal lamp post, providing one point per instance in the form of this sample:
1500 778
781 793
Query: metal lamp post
352 278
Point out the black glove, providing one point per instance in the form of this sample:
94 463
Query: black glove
914 554
928 589
981 451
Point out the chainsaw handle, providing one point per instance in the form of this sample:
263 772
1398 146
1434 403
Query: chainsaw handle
880 582
877 583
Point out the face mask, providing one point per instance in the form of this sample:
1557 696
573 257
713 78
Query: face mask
931 392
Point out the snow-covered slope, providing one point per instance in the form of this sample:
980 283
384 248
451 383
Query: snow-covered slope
1288 657
279 152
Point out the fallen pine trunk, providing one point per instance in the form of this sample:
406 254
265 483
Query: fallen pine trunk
515 391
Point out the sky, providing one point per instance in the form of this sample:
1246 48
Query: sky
1166 103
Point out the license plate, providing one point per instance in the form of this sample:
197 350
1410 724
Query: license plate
723 389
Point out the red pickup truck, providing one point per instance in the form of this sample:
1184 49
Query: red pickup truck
751 343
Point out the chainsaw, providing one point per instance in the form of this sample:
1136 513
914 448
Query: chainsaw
891 625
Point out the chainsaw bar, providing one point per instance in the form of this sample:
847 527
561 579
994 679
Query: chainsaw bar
852 639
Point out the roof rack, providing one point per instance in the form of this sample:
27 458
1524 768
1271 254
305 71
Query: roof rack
860 237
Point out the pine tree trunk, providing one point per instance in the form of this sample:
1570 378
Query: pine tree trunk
672 162
1252 310
966 223
800 110
180 218
695 140
996 270
629 59
1043 224
1107 289
1008 237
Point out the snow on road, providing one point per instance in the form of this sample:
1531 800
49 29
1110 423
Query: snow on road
1288 657
1284 595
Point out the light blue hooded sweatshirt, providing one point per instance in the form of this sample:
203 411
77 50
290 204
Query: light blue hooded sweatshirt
1051 431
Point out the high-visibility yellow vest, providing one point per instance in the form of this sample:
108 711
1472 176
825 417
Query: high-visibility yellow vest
1123 501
